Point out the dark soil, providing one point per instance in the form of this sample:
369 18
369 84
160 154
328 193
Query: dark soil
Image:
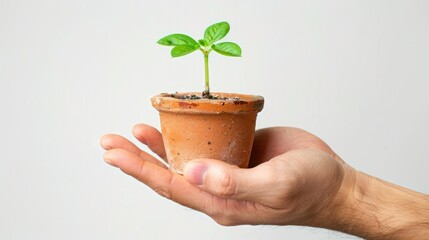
203 96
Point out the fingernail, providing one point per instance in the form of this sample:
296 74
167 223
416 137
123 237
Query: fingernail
194 172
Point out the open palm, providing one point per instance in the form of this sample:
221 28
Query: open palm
293 177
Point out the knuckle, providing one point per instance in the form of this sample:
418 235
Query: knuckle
163 192
222 214
225 219
224 222
226 186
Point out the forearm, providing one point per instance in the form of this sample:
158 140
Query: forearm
374 209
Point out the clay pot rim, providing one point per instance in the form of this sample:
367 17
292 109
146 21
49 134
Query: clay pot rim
246 103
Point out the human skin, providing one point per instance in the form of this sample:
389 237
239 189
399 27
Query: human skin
294 178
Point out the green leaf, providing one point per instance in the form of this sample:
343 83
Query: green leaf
203 42
216 32
177 39
228 49
182 50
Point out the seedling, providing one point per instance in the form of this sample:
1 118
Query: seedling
183 45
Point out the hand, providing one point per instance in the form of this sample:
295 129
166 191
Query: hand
294 177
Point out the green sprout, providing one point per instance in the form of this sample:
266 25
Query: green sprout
183 45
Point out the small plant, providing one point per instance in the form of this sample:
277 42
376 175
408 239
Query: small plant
184 45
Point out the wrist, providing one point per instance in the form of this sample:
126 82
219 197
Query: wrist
374 209
396 212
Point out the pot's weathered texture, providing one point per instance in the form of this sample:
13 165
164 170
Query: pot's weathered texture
205 128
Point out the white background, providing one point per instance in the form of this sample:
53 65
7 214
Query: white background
354 73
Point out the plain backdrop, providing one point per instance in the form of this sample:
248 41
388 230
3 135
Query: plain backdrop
354 73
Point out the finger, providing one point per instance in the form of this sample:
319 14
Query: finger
162 181
151 137
271 142
228 181
112 141
263 148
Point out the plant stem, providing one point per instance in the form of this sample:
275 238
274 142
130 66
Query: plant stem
206 67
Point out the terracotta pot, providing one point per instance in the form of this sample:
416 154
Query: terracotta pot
205 128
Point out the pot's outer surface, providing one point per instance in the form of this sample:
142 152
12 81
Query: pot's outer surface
216 129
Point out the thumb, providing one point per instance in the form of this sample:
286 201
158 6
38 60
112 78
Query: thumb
225 180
